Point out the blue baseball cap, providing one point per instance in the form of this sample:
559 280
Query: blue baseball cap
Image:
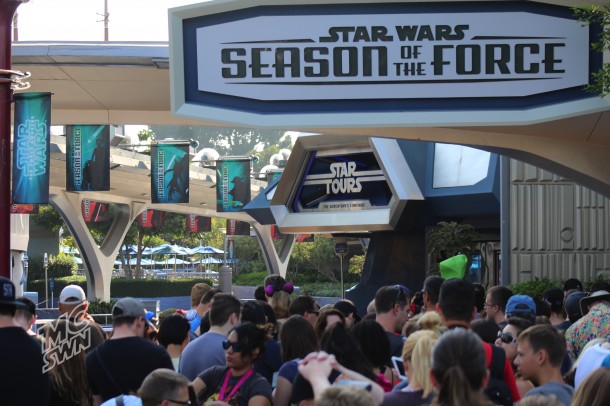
520 305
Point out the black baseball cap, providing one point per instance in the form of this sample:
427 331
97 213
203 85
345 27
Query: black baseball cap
27 304
7 292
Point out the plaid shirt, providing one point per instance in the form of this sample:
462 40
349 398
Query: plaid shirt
595 324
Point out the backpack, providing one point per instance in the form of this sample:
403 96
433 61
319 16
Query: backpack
497 390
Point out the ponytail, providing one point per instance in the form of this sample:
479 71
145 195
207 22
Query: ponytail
454 388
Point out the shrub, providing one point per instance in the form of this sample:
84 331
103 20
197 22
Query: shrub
124 287
251 279
535 287
59 266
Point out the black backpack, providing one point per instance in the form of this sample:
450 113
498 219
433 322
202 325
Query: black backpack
497 390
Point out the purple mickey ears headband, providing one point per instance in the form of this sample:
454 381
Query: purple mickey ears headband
271 289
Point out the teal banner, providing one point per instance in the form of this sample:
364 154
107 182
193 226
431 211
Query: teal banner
232 184
87 158
170 173
31 148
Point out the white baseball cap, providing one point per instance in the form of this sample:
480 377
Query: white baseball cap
72 294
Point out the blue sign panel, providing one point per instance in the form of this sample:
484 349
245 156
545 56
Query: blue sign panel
343 183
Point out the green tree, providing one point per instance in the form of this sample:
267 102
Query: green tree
314 261
225 140
447 240
598 14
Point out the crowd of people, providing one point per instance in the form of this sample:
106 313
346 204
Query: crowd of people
451 342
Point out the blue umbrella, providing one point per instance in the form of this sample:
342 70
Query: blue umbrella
205 250
169 249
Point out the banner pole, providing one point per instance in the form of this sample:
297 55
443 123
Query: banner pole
7 11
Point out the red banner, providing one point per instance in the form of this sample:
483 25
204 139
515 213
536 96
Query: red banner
24 209
198 224
304 238
236 227
151 219
95 212
275 232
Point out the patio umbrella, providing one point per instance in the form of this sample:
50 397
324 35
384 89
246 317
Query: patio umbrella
166 249
205 249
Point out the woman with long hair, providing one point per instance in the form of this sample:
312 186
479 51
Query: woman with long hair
237 384
326 320
297 339
278 293
459 371
341 343
376 347
68 381
416 358
595 389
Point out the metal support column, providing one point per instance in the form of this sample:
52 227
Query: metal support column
7 11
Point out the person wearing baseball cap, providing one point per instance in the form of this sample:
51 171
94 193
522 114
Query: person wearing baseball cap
19 353
521 306
25 316
73 306
119 365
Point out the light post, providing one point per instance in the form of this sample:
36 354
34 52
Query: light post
45 264
341 250
7 11
225 276
24 277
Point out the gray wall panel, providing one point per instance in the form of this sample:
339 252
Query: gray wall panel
558 229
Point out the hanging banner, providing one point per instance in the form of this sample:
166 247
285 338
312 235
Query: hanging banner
236 227
31 148
170 173
151 219
95 212
87 157
198 224
275 233
304 238
232 184
24 209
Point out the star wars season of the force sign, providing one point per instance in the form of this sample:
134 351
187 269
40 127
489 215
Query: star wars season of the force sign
392 56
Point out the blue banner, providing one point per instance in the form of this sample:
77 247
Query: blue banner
170 173
232 184
31 148
87 158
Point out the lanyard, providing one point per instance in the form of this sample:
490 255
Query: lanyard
244 378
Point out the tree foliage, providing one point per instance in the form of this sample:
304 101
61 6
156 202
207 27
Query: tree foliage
598 14
447 240
229 141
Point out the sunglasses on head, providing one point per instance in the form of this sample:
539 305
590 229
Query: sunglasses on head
506 338
401 295
226 344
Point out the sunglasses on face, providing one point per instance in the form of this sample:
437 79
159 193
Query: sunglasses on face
506 338
226 344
